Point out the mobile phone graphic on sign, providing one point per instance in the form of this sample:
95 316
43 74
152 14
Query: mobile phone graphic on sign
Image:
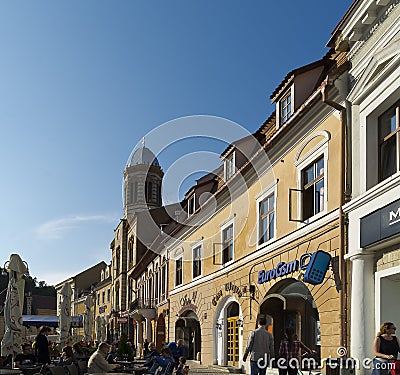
317 267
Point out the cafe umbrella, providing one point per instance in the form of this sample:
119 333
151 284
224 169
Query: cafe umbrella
65 313
88 319
12 339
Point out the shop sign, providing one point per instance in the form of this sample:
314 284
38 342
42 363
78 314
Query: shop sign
282 269
380 224
229 287
122 320
315 269
185 300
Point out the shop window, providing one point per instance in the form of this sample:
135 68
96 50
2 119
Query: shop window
389 141
178 272
227 244
266 219
197 261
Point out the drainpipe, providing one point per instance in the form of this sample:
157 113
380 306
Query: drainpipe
342 220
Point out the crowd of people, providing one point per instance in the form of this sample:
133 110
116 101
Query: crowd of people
104 359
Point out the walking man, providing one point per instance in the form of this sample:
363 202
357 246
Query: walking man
260 345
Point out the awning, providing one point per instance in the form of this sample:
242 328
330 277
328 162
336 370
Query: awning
49 320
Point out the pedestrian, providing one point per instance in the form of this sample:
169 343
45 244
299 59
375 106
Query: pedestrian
41 345
289 353
386 348
260 346
145 348
177 349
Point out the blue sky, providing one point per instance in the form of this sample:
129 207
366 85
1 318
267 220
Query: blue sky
82 82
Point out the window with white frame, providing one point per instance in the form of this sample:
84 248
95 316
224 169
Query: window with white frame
178 271
191 205
285 108
389 142
313 186
156 286
227 244
229 166
266 218
163 280
197 261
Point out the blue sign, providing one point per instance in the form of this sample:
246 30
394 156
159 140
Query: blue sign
315 273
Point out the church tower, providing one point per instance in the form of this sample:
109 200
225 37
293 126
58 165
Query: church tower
142 182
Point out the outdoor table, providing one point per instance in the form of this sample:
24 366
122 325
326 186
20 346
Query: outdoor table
30 370
7 371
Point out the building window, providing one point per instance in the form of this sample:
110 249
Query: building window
178 271
98 299
313 188
149 191
130 251
285 108
229 166
266 212
108 295
163 280
227 244
191 205
156 286
389 141
196 261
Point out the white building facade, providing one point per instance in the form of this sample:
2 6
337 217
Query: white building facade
370 31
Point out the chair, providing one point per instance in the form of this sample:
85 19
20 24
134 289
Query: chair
72 369
169 369
56 370
82 366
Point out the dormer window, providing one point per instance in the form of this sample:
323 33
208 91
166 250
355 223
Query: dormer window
229 166
191 205
285 107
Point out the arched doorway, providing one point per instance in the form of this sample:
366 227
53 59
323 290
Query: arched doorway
232 318
160 332
228 332
289 303
187 327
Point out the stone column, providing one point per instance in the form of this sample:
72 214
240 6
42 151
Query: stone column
362 322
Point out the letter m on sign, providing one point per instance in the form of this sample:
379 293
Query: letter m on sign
393 215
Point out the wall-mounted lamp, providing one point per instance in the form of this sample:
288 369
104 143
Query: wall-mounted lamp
205 316
239 322
219 326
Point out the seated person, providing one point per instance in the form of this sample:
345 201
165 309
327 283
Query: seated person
79 353
25 358
152 353
182 369
97 361
67 356
112 356
163 361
